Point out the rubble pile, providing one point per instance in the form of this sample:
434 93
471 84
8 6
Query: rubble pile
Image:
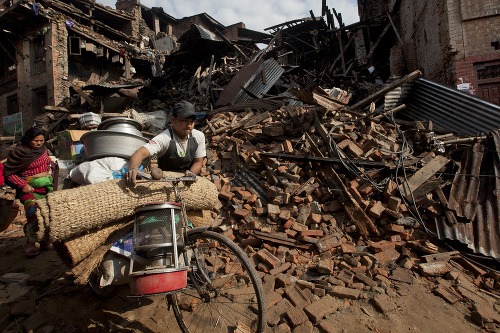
330 204
336 195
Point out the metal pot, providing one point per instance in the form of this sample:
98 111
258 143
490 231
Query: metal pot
103 143
121 124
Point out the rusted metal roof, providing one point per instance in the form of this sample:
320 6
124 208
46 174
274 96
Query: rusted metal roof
255 77
248 179
451 109
474 196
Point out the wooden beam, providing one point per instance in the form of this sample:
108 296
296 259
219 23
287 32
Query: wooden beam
363 222
424 174
366 101
7 53
232 45
379 39
83 94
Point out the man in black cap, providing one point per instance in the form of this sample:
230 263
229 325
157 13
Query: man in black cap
179 148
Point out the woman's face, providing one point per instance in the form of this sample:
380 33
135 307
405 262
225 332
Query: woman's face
37 142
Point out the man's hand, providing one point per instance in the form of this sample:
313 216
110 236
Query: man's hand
130 177
189 173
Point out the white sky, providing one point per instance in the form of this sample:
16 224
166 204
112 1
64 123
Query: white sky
256 14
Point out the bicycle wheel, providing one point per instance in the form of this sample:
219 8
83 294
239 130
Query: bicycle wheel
224 293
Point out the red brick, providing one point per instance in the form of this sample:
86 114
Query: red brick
321 308
268 258
241 213
384 303
296 316
312 233
226 195
295 295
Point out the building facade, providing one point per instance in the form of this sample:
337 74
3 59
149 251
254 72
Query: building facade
50 49
453 42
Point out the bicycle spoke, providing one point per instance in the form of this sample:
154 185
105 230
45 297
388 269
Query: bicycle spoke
225 291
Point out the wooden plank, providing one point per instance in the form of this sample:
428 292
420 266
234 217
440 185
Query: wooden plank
327 102
323 132
426 188
83 95
450 215
424 174
293 115
363 223
314 149
366 101
256 119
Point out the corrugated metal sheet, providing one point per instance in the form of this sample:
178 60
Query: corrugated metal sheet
248 179
397 96
451 109
474 196
256 77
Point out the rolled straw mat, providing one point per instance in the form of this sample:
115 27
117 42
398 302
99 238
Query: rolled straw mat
76 248
200 218
85 252
84 268
70 212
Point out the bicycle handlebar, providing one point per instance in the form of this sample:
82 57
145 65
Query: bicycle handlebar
148 178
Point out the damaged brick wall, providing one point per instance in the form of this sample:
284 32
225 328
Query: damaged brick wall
31 83
59 41
425 25
132 7
52 80
474 26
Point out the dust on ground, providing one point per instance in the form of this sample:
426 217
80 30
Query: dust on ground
49 302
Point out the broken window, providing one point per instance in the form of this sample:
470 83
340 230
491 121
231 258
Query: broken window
38 51
39 98
74 45
12 105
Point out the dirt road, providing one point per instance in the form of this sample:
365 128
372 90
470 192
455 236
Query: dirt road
46 301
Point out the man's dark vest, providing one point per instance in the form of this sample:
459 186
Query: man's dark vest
171 161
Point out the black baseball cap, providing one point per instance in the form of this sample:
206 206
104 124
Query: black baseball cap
184 110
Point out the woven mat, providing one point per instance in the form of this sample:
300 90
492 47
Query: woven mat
82 271
75 249
85 253
200 218
66 213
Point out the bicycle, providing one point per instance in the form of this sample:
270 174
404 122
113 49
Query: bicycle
208 280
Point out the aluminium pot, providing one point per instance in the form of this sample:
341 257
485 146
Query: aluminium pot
102 143
121 124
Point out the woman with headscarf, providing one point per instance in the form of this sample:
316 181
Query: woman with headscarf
28 170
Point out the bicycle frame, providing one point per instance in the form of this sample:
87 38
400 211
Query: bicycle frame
210 295
158 240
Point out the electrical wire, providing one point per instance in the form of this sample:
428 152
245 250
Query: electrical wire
351 165
417 213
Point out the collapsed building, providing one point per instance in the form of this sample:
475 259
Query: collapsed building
345 150
65 46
